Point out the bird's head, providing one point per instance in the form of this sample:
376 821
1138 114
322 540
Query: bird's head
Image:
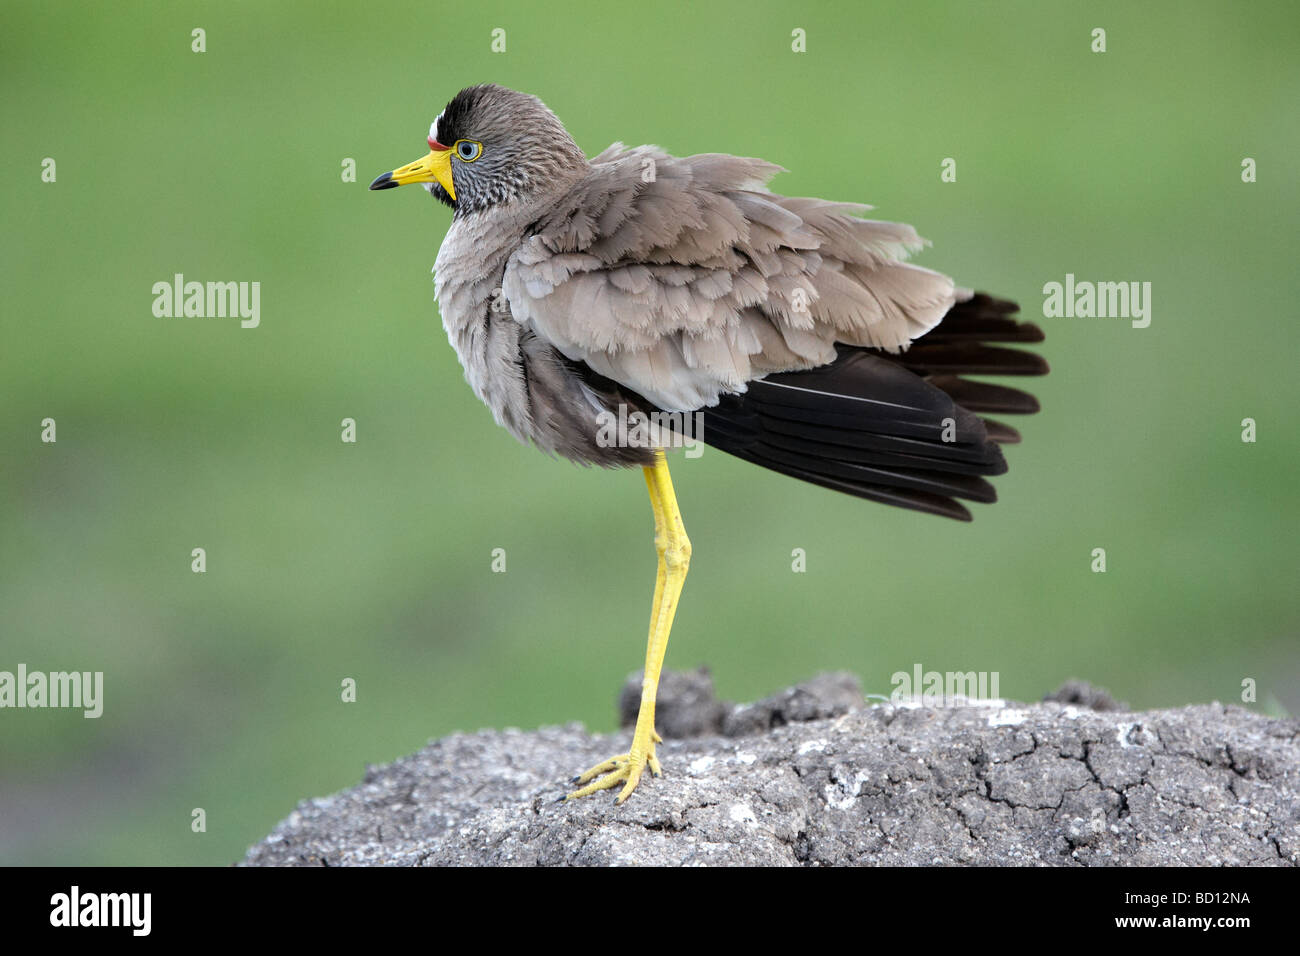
490 146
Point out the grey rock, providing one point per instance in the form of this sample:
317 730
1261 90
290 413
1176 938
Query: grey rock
833 782
826 695
686 705
1083 694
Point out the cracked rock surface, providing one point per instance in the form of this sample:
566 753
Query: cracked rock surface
814 776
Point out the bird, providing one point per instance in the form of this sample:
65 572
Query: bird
680 291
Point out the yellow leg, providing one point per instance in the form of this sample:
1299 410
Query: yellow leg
674 550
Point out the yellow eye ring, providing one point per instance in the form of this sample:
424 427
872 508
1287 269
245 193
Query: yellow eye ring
467 150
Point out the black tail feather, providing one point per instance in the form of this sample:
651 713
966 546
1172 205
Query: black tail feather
1000 433
983 397
898 429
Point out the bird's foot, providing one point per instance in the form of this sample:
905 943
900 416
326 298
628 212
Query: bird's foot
625 769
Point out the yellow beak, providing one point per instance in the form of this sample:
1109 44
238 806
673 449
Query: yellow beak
434 168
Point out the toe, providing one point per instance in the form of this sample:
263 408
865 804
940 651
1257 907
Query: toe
604 783
632 780
613 763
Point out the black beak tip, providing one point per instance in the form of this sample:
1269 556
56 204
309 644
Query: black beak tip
384 182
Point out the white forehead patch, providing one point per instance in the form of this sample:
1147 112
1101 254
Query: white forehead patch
433 128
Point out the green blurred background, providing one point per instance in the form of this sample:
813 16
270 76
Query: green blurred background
372 561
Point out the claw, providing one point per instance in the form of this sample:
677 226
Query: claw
625 769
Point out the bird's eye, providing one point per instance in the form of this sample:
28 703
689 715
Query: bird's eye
468 150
